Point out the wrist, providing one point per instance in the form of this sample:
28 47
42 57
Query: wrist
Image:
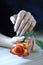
5 41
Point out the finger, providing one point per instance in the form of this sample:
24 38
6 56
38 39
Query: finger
24 21
32 25
19 19
13 19
25 28
21 14
15 39
33 44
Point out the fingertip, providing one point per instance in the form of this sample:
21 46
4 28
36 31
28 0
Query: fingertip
12 19
34 23
18 33
21 38
21 14
15 28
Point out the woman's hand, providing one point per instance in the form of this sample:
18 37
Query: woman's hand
16 39
9 42
24 22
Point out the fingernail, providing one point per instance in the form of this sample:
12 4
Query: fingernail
18 32
15 28
21 34
22 38
12 19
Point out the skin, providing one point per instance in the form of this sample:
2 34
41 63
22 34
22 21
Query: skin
8 42
23 22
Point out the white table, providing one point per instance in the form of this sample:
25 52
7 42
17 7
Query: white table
6 58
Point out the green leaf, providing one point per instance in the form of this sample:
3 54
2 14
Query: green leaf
39 43
29 34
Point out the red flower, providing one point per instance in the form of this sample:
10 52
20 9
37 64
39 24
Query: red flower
19 50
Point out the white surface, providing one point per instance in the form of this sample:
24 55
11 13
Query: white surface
8 59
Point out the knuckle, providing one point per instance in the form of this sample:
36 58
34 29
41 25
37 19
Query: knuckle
34 23
21 13
28 13
15 16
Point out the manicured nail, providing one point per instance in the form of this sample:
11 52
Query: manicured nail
12 19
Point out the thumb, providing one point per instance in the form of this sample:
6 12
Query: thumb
13 19
18 38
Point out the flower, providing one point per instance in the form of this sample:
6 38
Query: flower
20 49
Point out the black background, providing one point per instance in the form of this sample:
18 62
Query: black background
11 7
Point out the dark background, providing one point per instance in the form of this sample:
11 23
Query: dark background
11 7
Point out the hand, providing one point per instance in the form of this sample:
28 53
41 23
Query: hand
15 39
9 42
24 22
